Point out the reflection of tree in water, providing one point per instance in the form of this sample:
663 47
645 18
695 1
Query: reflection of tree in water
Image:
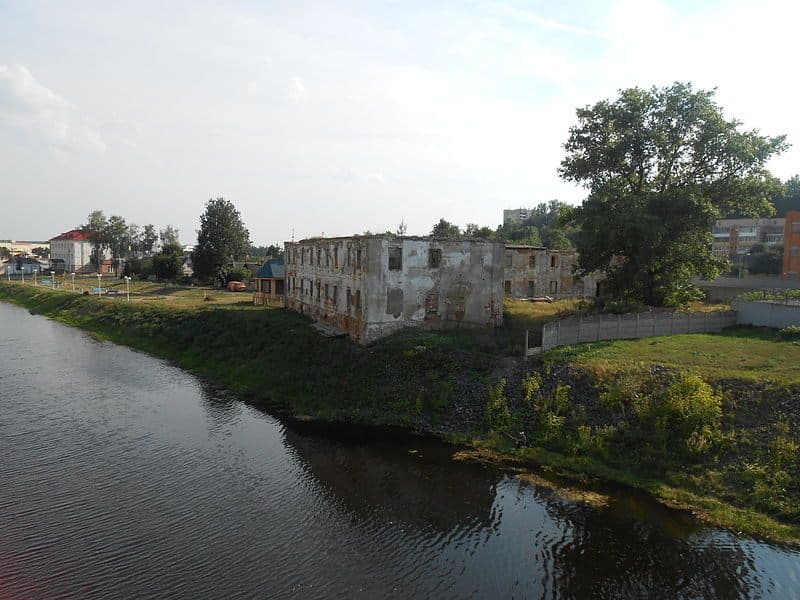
398 480
638 549
222 409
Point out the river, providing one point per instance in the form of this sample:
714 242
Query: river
122 476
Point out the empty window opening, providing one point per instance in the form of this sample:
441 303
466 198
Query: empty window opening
395 258
508 260
531 289
554 287
434 258
349 300
553 262
532 260
507 287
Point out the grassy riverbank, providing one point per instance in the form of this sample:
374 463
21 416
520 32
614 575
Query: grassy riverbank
706 422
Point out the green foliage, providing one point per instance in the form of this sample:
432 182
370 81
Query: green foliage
41 252
169 237
222 238
691 413
271 251
544 227
496 414
792 333
242 274
660 165
168 263
531 387
788 197
445 229
765 261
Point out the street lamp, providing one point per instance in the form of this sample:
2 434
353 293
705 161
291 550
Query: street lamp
99 275
53 277
128 287
73 281
34 274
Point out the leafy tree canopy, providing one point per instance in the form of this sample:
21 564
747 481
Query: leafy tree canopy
222 238
445 229
660 165
40 251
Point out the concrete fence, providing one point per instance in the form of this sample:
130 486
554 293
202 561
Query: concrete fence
596 328
768 313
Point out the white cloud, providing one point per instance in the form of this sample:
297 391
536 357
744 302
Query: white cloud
28 105
297 90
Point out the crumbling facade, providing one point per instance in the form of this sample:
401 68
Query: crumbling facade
534 272
371 286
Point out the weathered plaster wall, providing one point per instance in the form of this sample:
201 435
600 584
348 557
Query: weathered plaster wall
432 283
325 279
460 286
537 272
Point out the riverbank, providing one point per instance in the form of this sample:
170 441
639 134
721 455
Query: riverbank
721 442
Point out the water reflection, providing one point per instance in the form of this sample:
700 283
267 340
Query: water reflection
124 477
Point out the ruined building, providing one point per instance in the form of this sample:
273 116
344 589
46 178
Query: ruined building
534 272
371 286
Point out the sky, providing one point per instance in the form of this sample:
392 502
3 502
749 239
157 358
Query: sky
332 118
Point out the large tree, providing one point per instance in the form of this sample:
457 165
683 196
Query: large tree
148 240
96 229
660 165
222 238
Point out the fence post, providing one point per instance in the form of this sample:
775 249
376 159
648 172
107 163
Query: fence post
558 332
526 344
655 315
580 322
672 323
599 326
637 325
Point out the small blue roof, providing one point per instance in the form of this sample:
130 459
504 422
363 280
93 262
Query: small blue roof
272 269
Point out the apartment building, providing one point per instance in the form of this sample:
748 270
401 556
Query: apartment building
371 286
791 245
537 272
738 236
516 215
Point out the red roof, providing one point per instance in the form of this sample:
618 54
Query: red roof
75 234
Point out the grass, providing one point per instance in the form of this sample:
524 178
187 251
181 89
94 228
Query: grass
522 314
748 353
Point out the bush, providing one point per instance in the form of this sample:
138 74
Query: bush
496 414
791 333
690 413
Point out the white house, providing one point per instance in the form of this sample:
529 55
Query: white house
71 252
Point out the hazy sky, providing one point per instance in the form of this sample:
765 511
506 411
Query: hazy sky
336 117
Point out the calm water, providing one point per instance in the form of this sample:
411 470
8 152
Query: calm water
124 477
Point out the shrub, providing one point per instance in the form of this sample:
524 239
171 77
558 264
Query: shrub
496 414
690 413
531 386
791 333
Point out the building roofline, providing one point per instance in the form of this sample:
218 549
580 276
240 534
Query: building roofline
417 238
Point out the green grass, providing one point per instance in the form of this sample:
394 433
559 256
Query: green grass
748 353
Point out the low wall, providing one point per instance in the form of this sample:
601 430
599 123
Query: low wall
767 313
595 328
